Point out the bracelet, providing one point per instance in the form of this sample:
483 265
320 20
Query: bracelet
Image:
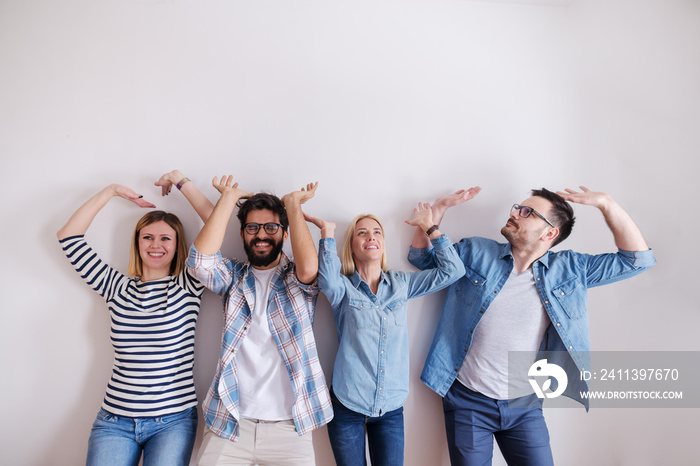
182 182
430 230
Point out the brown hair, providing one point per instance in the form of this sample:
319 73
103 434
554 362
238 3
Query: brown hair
346 259
178 263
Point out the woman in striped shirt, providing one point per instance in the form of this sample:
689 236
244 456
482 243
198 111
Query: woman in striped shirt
150 406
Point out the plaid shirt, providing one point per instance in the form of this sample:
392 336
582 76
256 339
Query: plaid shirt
290 314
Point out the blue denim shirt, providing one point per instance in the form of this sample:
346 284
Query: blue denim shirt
562 280
370 375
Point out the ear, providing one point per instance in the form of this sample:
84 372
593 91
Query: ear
243 235
285 235
551 234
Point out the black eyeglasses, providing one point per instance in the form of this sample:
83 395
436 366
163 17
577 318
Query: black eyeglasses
270 228
525 211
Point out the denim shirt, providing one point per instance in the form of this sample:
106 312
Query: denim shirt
370 375
562 280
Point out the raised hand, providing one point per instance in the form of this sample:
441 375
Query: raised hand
443 203
422 216
327 228
586 197
130 195
167 181
303 195
226 185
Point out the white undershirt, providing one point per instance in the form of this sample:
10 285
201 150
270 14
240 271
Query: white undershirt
265 389
515 321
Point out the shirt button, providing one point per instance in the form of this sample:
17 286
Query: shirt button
558 324
546 302
562 293
495 291
476 282
538 279
571 347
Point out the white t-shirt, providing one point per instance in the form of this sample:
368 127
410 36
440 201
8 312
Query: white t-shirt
515 321
265 389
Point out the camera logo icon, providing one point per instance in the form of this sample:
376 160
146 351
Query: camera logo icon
541 369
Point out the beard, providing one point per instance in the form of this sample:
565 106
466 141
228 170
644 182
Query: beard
262 260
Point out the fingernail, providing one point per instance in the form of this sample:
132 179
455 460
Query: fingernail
140 196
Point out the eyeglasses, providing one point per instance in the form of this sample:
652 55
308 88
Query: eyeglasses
270 228
525 211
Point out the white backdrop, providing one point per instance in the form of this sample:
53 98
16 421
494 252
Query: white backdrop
385 103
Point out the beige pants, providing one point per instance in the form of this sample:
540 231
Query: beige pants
263 443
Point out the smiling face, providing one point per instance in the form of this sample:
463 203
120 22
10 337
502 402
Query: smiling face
528 232
263 249
157 248
367 241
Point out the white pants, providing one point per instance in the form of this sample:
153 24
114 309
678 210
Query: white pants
263 443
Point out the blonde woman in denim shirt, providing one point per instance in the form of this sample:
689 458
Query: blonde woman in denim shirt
370 375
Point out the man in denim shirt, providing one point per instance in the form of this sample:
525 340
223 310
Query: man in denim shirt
518 296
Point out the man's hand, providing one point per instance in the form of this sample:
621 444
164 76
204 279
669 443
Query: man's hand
303 195
443 203
226 185
625 232
587 197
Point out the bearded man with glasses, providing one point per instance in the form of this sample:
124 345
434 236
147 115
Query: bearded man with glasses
269 391
522 298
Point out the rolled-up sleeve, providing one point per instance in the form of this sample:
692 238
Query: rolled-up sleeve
213 270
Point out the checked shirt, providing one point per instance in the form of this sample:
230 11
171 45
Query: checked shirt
290 314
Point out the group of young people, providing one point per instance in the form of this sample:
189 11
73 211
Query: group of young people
269 391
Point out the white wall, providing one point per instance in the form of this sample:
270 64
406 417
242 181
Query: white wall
386 103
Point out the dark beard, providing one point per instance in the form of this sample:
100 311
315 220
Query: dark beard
262 261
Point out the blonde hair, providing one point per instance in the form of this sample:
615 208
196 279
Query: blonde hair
178 263
347 260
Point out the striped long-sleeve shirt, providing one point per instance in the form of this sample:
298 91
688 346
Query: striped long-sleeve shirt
152 333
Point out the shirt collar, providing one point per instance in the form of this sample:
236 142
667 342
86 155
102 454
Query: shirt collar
506 252
356 280
282 267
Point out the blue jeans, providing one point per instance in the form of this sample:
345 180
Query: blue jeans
119 441
472 420
347 435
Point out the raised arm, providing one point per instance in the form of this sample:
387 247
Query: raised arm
211 237
625 232
327 228
303 249
201 204
439 207
80 221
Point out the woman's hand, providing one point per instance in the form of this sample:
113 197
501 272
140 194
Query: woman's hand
167 181
130 195
327 228
422 216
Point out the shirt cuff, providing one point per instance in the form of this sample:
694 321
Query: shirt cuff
639 259
197 260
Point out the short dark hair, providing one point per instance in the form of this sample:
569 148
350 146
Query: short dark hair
262 201
562 213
